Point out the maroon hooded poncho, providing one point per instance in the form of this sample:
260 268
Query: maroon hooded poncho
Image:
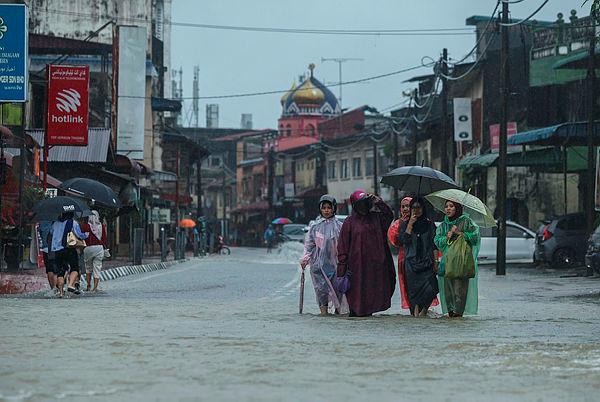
363 249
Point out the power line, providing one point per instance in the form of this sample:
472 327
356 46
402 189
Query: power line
249 94
367 32
512 24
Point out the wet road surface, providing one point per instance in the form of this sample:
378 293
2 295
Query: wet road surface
228 328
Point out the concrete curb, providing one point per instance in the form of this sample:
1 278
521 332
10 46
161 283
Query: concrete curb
119 272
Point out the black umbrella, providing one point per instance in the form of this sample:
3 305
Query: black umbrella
51 209
418 180
98 192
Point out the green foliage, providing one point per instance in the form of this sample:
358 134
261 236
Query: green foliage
594 9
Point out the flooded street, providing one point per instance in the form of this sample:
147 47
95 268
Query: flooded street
228 328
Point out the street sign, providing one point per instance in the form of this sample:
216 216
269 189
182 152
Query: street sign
13 53
162 216
68 88
463 126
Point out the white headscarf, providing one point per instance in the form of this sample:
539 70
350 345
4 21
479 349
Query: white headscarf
95 224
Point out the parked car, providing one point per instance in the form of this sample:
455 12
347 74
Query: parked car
592 256
562 242
520 244
293 232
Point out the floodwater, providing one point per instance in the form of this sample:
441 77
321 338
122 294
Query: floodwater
228 328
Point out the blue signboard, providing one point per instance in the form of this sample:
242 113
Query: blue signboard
13 53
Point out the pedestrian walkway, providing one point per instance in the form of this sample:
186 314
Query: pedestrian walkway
34 280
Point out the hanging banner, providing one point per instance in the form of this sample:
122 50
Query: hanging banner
68 92
511 129
131 103
13 53
463 127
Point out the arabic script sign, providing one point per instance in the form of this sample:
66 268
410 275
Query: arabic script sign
13 53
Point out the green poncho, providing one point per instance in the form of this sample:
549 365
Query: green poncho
471 233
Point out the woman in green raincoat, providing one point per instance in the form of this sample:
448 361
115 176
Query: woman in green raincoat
458 296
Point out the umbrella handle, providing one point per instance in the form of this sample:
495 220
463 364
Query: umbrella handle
301 303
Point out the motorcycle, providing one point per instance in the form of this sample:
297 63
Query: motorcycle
222 248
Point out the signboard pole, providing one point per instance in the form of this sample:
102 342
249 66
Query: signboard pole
45 152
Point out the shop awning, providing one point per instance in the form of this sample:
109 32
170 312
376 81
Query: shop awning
95 151
576 61
548 160
565 134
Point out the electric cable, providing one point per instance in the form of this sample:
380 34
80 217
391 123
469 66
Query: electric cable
512 24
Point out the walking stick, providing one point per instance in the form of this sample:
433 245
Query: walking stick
301 292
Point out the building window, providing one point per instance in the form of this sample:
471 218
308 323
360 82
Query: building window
369 166
310 130
344 169
288 131
331 173
356 168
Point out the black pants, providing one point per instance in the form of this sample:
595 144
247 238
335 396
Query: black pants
66 259
49 262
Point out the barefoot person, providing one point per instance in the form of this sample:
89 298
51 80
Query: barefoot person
458 295
320 251
363 250
416 236
93 253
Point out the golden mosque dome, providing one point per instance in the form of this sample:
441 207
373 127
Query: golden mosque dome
308 94
288 93
310 97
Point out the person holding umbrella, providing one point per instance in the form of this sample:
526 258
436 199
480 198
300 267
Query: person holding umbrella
416 236
393 237
364 255
66 257
320 251
458 294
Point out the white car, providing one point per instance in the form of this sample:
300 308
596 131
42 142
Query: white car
520 244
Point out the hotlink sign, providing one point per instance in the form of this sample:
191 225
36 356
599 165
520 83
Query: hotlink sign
13 53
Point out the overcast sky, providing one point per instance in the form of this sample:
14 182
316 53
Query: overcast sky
233 62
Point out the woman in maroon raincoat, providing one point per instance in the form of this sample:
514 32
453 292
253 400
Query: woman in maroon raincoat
363 250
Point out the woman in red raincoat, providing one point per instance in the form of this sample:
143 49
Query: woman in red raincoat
393 239
363 250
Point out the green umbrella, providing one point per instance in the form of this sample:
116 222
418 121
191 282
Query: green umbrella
472 205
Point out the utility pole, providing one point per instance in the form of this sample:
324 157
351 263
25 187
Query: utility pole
375 176
271 177
339 61
444 142
591 82
196 89
396 162
501 174
415 134
224 209
199 212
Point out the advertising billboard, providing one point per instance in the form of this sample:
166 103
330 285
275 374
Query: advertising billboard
68 94
13 53
463 126
132 91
